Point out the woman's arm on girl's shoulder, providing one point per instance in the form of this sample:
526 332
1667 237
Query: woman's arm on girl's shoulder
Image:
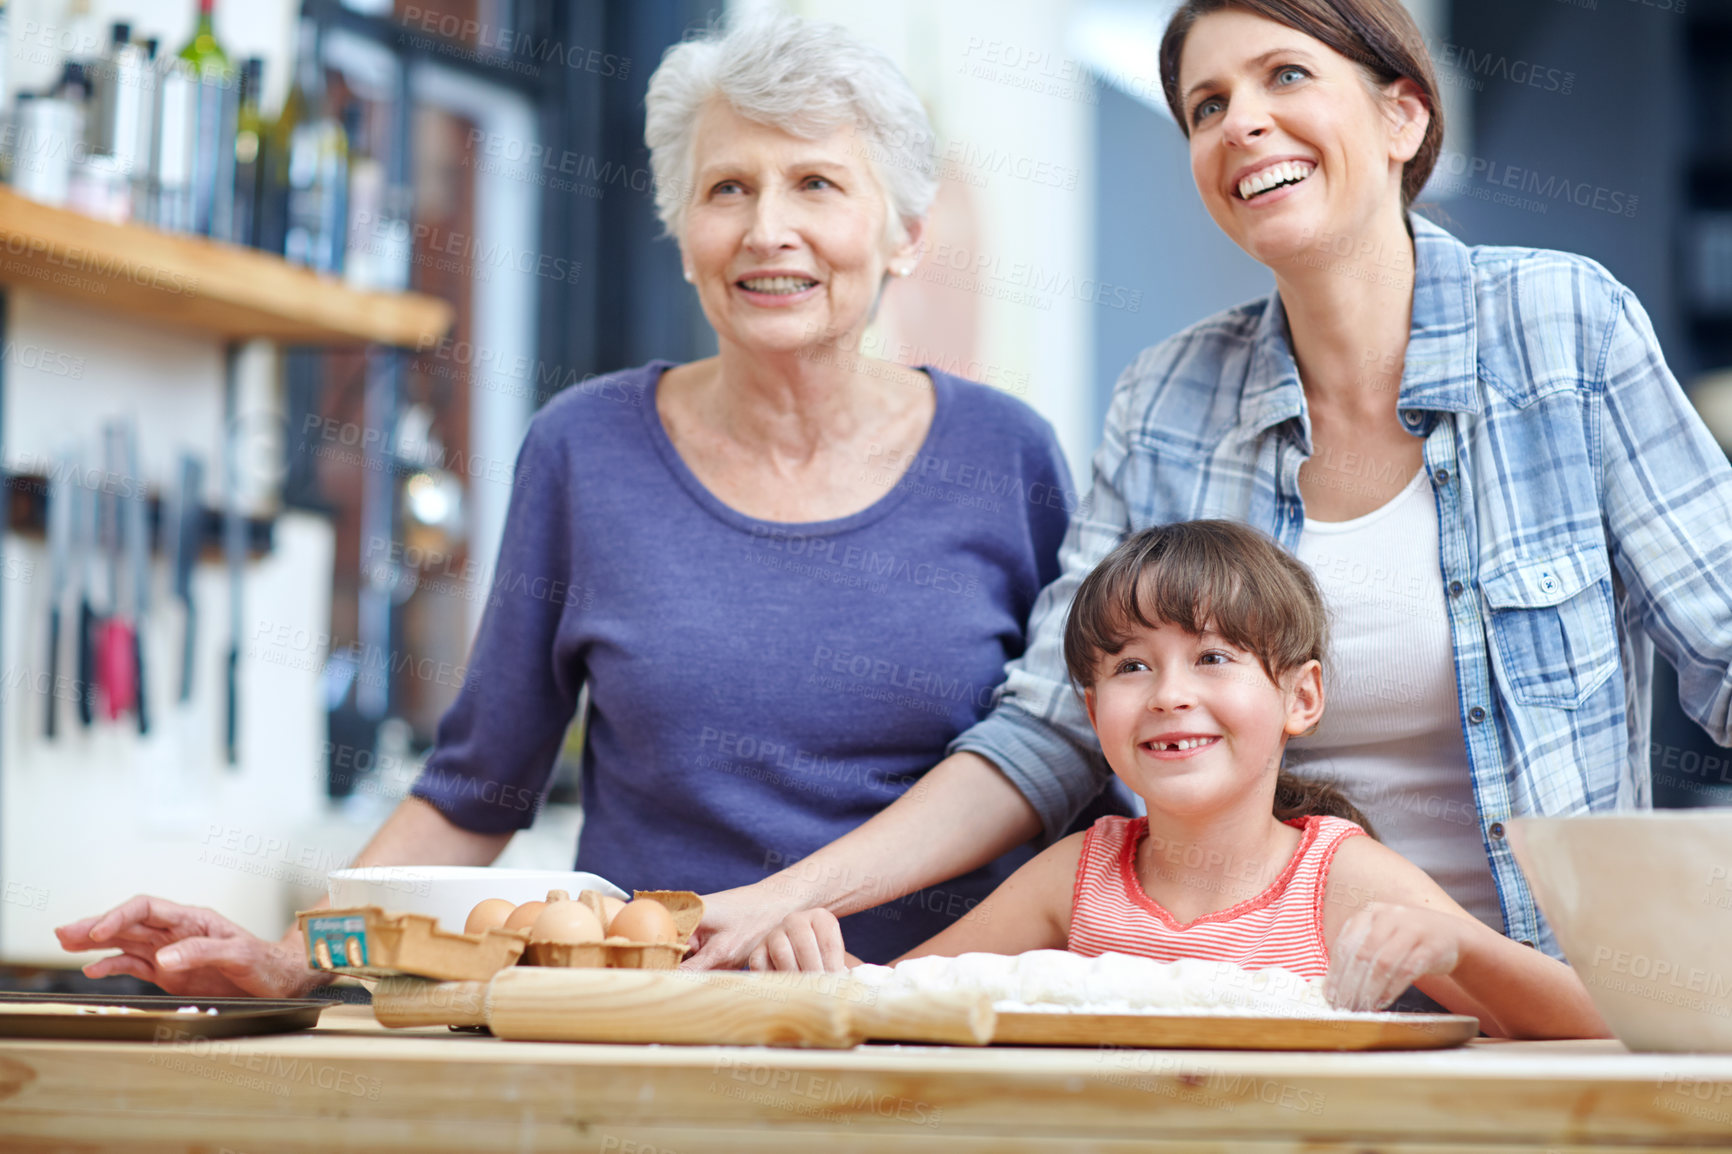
1030 911
1389 925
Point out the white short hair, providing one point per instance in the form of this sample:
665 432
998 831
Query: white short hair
807 79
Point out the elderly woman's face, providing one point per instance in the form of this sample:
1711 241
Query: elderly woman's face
786 239
1290 146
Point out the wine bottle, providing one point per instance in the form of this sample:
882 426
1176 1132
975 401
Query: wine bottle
273 221
313 154
174 117
118 131
215 115
101 179
379 248
204 51
120 108
249 155
8 118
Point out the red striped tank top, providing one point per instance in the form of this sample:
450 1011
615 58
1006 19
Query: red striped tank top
1282 926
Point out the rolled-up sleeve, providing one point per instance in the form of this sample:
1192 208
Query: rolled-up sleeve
1038 733
1668 501
497 743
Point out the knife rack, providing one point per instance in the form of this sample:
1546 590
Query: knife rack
27 515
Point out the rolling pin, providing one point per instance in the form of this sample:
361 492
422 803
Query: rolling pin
404 1001
583 1005
535 1003
954 1018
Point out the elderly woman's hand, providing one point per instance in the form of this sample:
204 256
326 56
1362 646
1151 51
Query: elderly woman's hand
190 950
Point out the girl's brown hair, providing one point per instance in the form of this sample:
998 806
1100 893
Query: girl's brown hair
1378 35
1219 575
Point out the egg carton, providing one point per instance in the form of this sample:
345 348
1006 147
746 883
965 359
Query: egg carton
367 941
617 953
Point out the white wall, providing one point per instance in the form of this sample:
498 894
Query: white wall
97 815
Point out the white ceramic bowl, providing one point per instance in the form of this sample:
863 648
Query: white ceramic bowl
450 892
1642 906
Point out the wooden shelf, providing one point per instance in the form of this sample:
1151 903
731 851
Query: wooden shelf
199 284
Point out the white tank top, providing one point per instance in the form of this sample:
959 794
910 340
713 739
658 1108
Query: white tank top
1391 731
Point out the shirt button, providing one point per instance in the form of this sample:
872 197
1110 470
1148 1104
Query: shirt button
1476 715
1443 476
1497 830
1455 588
1411 418
1529 943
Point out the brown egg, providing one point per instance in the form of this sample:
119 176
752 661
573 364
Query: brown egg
524 915
610 908
487 914
645 920
568 922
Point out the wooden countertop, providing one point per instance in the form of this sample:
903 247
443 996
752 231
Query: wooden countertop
352 1085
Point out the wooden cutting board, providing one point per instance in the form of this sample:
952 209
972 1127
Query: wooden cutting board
1234 1032
534 1003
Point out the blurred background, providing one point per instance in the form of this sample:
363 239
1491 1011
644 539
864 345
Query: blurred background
279 516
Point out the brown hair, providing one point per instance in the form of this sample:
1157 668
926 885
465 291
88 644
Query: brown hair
1378 35
1220 575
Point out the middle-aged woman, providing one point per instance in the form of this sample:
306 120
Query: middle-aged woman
1504 494
788 574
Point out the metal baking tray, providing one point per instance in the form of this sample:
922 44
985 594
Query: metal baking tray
234 1017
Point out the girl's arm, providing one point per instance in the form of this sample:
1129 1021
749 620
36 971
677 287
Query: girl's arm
1389 925
1030 911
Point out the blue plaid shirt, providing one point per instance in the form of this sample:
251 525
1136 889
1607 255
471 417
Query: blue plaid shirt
1584 516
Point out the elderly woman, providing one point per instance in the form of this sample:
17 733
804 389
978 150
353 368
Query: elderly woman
779 635
1506 498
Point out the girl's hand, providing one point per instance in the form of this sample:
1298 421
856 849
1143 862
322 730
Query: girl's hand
736 923
190 950
809 941
1383 948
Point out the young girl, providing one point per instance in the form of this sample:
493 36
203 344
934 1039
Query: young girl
1198 647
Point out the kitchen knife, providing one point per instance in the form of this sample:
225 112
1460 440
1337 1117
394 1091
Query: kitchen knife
188 529
234 557
114 655
60 496
138 561
84 512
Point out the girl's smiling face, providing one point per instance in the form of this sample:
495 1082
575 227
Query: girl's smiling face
1192 723
787 239
1289 140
